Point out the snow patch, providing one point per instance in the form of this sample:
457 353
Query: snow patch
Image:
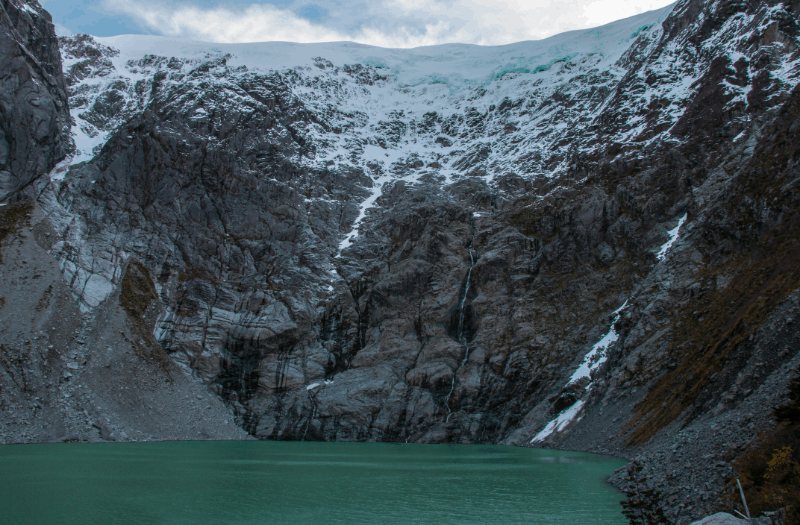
673 236
558 424
591 362
597 355
60 171
377 187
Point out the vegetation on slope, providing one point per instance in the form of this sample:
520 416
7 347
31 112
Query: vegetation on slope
752 240
770 471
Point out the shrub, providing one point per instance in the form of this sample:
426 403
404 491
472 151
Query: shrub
770 471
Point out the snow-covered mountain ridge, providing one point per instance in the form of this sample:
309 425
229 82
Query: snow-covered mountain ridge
554 242
361 89
537 85
528 110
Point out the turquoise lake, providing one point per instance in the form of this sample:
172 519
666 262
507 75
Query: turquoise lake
260 482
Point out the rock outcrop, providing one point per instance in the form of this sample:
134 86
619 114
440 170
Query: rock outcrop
34 114
587 242
720 518
67 375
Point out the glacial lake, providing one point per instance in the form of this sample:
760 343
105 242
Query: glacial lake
260 482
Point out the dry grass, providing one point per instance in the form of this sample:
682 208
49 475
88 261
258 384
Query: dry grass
197 273
770 475
137 292
765 271
712 327
12 217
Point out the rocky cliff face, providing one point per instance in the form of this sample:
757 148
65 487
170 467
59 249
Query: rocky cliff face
68 375
34 118
586 242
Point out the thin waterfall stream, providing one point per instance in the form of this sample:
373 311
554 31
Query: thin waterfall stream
460 332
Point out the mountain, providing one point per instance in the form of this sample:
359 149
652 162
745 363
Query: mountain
33 108
587 242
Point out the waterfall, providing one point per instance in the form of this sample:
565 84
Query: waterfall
313 413
460 333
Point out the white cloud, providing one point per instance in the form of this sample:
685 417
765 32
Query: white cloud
602 12
62 30
253 23
385 23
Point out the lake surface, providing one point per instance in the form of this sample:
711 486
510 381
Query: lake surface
302 483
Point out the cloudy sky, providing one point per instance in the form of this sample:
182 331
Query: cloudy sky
388 23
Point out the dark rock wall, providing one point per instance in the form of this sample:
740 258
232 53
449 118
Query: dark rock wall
34 114
461 310
709 338
66 375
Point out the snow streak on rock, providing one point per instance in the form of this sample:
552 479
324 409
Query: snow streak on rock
558 424
597 356
591 362
367 204
673 236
